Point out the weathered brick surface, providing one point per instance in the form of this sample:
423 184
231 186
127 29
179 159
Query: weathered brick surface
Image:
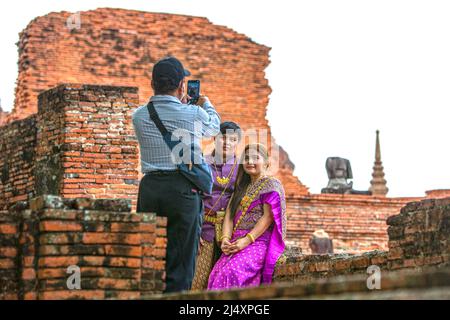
356 223
438 193
119 47
70 150
95 148
419 238
120 254
81 142
128 250
404 284
307 267
3 116
420 235
8 256
17 158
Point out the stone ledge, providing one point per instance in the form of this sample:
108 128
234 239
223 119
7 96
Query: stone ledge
324 266
350 286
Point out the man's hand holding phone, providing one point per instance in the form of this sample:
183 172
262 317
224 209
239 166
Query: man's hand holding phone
201 100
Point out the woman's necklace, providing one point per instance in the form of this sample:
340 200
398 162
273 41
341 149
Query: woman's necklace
249 197
223 181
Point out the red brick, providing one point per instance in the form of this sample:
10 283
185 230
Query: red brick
8 229
30 296
8 252
160 242
147 227
124 227
6 263
72 294
126 295
64 261
100 238
28 274
342 264
45 273
125 262
60 226
129 251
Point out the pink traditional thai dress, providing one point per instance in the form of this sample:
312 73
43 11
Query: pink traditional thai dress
255 264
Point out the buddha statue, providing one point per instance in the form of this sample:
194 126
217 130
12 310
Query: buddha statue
339 170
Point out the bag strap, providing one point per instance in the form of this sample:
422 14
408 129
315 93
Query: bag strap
154 116
167 136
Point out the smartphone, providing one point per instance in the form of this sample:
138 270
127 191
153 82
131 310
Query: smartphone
193 90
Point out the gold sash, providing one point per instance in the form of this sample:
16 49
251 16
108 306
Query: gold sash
218 225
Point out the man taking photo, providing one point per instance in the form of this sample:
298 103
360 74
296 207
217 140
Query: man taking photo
163 189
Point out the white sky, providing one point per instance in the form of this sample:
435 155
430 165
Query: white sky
339 70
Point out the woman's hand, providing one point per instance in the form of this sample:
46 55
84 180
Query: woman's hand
200 244
239 244
225 246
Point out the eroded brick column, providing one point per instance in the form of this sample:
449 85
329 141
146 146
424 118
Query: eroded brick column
86 143
17 159
420 235
120 254
9 260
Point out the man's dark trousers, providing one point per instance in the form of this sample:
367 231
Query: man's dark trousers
169 194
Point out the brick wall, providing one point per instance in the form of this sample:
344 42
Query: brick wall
120 254
8 256
437 194
419 238
420 235
119 47
3 116
308 267
356 223
399 285
17 160
79 144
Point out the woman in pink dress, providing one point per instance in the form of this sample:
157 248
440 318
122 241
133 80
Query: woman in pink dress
254 227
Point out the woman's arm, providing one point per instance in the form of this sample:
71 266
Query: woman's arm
261 226
227 227
227 230
264 222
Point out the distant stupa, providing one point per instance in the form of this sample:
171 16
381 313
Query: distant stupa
378 183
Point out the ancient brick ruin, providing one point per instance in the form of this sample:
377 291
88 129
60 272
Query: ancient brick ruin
80 144
119 47
70 136
3 116
119 254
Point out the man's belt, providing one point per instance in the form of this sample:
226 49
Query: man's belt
162 172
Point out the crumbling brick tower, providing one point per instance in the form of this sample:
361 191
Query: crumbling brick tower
119 47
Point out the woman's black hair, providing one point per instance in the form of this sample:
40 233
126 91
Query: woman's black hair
243 179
